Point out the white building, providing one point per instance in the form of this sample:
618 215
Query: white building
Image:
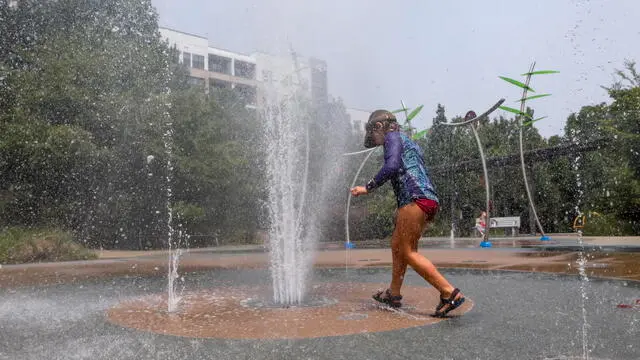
212 67
290 73
358 118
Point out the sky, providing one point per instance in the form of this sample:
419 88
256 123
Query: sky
429 52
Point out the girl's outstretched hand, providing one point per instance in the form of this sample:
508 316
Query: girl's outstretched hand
359 190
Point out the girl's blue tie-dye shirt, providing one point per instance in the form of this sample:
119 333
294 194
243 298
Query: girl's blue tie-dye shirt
404 166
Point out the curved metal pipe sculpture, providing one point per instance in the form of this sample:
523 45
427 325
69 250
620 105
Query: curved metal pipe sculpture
353 183
477 118
473 122
524 170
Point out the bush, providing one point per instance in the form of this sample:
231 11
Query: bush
606 225
20 245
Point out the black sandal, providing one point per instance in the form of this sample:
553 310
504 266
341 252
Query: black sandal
385 297
451 301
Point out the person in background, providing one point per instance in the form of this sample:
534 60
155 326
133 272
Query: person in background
481 225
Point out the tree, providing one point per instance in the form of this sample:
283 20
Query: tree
218 173
607 181
86 85
440 116
628 78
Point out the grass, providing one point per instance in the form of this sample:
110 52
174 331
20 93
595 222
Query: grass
25 245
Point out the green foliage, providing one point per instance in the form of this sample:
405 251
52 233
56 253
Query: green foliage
23 245
218 176
530 122
90 88
376 221
533 97
606 225
414 113
420 134
515 111
627 78
516 83
526 88
188 214
540 72
611 177
410 130
85 97
87 90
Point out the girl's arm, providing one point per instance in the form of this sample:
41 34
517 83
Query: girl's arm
392 160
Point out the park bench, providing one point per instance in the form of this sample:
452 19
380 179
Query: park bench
509 222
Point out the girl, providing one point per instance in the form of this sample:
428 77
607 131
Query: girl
482 223
417 206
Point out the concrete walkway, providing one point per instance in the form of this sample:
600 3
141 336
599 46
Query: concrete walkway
618 264
425 242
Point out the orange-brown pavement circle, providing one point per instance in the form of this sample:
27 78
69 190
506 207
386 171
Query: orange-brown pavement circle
225 313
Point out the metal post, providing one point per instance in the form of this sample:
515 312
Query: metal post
532 217
524 171
485 238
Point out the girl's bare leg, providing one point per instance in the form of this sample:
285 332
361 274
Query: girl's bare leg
410 223
399 265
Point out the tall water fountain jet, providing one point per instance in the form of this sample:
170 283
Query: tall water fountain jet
287 173
296 200
173 242
174 254
582 259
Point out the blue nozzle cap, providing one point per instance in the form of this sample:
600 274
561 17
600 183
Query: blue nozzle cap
485 244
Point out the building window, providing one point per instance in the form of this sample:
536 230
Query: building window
186 58
219 64
199 82
246 93
218 84
267 76
245 70
175 55
319 88
198 61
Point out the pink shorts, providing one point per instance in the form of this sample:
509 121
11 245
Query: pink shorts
429 207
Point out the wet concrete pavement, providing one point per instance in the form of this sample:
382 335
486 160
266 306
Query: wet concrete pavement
528 304
515 316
